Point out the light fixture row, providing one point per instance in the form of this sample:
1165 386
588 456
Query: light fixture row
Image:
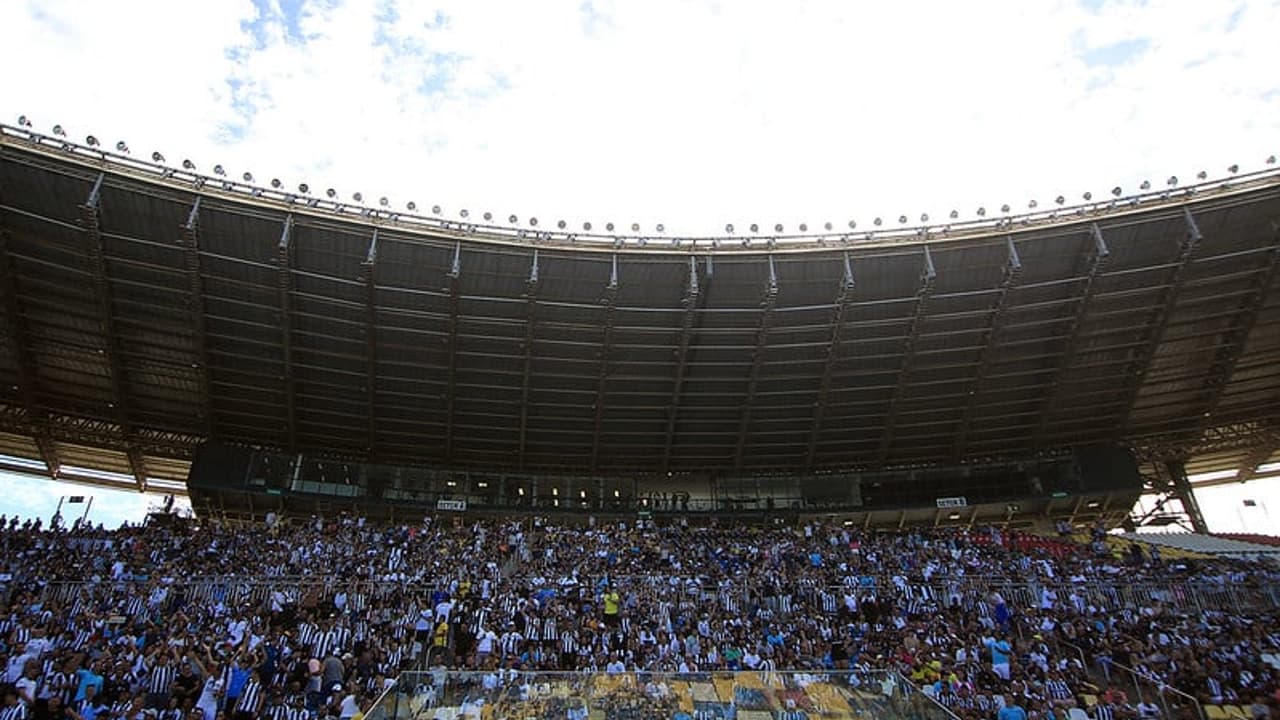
122 147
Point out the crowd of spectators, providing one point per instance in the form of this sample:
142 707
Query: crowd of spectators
187 620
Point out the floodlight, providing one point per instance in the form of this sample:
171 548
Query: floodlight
804 227
1146 185
533 222
435 210
304 188
122 147
411 206
358 197
1233 169
188 165
853 224
586 226
275 183
23 121
248 177
729 228
512 219
635 227
383 201
1088 196
954 214
1172 181
777 228
488 216
57 130
1060 200
661 228
91 141
1117 191
1202 175
561 224
877 222
463 213
1271 160
827 227
331 193
1004 208
754 228
982 212
1033 204
608 227
157 157
924 217
902 219
219 170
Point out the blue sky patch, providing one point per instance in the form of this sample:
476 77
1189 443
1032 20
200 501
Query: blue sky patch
1115 54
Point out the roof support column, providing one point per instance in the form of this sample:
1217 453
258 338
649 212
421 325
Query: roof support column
284 281
1098 258
1012 271
767 305
1237 335
1159 319
195 308
454 290
91 223
839 311
531 301
1187 496
610 305
368 272
923 293
688 322
36 419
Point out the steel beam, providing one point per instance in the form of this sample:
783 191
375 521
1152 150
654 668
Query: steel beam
196 310
91 223
454 289
531 319
1258 456
767 305
1012 271
839 311
1187 495
1098 259
1159 319
925 291
1237 336
368 273
284 280
691 302
610 304
36 421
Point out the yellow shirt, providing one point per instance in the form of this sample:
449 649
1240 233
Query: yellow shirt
611 601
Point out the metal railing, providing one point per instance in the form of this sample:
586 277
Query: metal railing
1186 596
1162 690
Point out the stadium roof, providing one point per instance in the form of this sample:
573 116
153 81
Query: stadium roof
148 308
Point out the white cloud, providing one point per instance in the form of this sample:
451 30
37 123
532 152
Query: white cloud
691 113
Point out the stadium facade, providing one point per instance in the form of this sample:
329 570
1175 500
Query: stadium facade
323 353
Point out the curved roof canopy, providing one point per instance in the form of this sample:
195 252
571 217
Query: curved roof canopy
147 308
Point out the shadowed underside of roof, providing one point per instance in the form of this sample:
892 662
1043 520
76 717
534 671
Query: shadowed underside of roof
142 315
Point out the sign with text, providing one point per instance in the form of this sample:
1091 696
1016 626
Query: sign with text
952 502
451 505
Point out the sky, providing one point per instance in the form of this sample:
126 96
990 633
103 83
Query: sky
689 113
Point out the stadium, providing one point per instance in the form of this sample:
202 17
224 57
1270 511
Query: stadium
460 467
